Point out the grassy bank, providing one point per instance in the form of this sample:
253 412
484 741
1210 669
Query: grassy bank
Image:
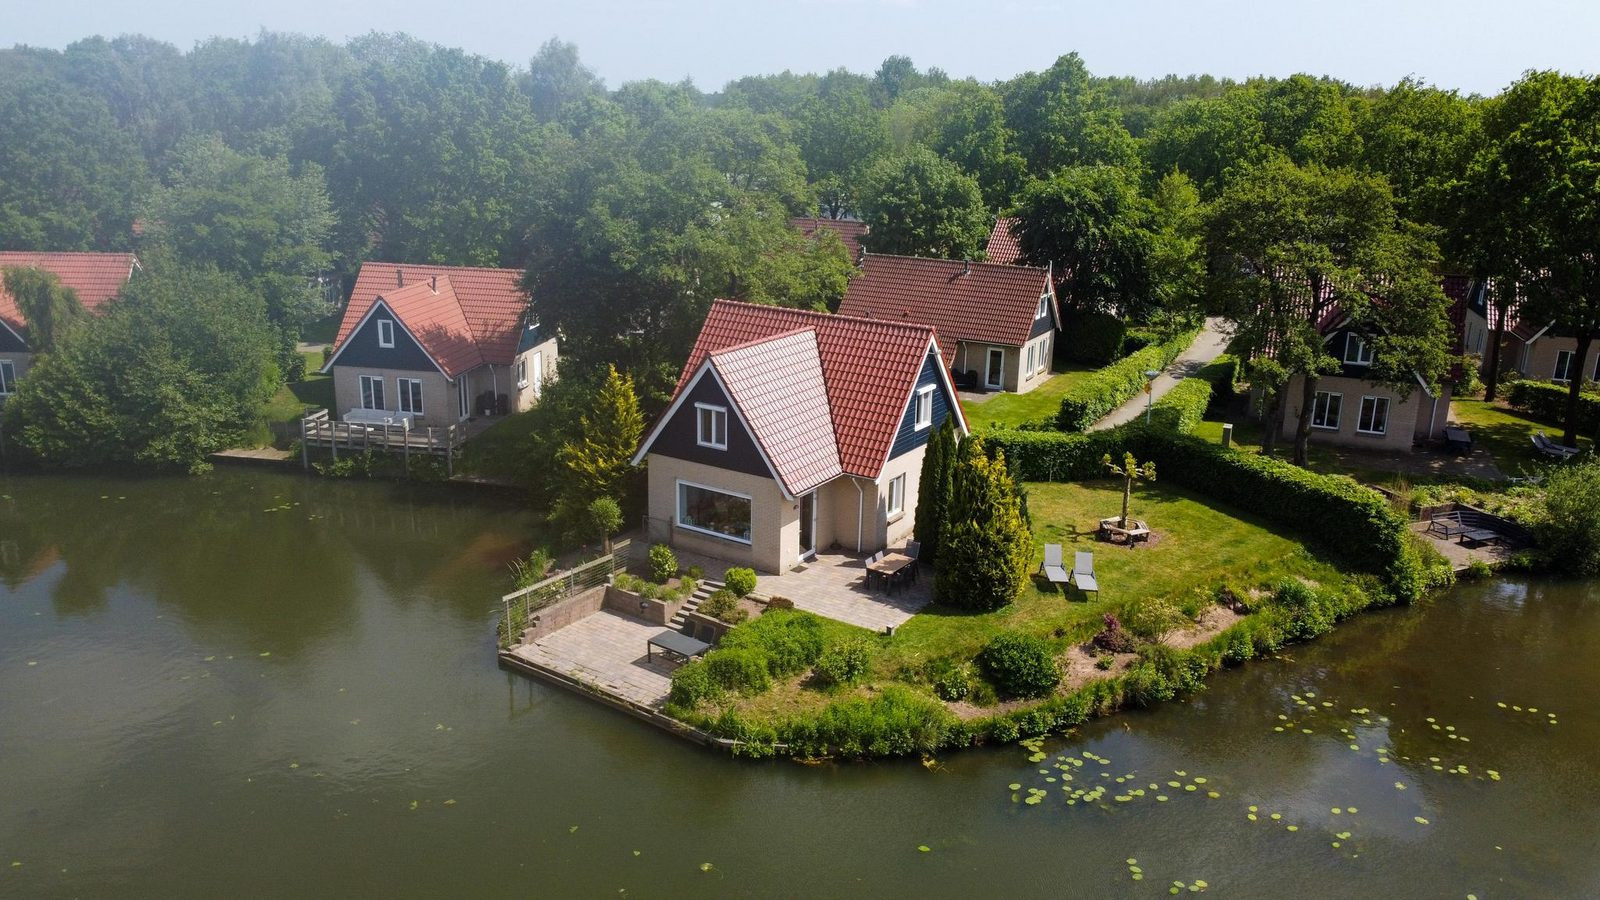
1007 410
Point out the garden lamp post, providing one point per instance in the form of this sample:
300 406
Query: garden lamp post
1149 391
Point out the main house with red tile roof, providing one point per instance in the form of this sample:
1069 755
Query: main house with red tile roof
791 431
94 277
437 344
997 324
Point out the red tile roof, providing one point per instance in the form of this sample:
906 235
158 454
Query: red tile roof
96 277
491 301
432 312
851 232
868 367
1003 247
778 386
983 302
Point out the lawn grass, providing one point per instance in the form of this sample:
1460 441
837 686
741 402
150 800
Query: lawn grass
1008 410
1507 434
289 403
1199 545
500 453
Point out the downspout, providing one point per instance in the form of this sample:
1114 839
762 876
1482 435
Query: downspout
861 503
1433 416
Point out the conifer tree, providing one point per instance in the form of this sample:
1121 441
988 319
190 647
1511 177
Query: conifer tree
985 544
598 462
933 490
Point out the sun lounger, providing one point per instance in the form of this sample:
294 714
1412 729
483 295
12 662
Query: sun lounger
1052 566
1550 448
1083 572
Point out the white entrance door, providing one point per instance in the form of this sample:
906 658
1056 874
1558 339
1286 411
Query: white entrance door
808 525
995 372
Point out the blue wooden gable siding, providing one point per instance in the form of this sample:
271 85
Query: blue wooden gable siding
1041 326
361 348
678 438
909 437
10 343
531 337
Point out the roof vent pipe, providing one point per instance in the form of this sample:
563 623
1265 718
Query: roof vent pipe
861 255
399 278
966 266
434 284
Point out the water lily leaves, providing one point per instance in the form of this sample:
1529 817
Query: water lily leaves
706 867
1419 820
636 852
572 830
1015 786
452 803
265 654
924 848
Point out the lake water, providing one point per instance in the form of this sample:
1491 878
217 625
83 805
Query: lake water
256 684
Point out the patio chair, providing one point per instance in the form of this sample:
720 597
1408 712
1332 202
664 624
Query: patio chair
871 575
913 550
1083 572
1052 566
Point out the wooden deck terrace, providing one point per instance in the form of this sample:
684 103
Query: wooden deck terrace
320 429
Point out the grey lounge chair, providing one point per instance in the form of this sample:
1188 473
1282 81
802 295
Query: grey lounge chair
1052 566
1083 572
1550 448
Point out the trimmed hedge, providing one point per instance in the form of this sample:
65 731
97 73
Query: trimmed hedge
1182 408
1113 385
1097 338
1054 455
1547 401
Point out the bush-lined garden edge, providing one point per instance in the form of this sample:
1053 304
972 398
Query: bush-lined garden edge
1090 399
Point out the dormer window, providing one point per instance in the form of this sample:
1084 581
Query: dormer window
711 426
385 333
1044 307
923 416
1356 351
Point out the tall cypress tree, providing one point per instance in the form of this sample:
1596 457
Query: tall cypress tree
933 490
985 544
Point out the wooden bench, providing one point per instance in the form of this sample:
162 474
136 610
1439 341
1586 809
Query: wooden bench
1448 525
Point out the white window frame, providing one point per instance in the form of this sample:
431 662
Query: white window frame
1027 368
1570 356
896 501
386 333
1321 402
400 385
8 377
995 385
700 409
372 390
522 372
922 414
1041 354
1357 348
678 519
1044 307
1362 414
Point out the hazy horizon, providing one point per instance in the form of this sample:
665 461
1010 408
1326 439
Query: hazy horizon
715 41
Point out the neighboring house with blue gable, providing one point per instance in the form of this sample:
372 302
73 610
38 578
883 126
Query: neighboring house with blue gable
792 431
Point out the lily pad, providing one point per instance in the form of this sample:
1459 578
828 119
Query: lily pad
1419 820
924 848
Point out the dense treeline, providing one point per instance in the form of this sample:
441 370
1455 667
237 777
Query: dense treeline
284 158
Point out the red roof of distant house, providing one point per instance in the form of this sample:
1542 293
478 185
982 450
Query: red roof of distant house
982 302
1003 247
95 277
851 232
490 302
868 368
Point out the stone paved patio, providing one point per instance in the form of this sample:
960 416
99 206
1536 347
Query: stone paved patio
835 586
1458 553
606 650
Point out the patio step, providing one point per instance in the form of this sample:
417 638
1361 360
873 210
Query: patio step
707 588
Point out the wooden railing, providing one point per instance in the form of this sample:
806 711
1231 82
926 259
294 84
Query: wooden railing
519 606
320 429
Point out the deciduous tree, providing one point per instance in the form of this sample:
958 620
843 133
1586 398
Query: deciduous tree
918 204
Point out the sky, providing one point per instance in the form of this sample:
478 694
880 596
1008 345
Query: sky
1476 46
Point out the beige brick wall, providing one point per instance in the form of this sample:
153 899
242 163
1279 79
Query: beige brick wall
439 402
1409 417
1541 360
1043 344
523 397
971 355
774 520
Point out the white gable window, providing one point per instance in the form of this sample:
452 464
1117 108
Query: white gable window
372 392
1563 371
1356 351
711 426
1374 415
8 377
410 390
385 333
897 495
1044 307
923 416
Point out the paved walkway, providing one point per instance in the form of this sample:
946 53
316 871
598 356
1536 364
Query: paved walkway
834 586
606 650
1209 345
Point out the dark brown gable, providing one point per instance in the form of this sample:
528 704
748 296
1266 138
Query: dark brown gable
678 438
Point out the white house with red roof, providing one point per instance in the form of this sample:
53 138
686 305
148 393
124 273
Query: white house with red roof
438 344
997 324
95 277
792 431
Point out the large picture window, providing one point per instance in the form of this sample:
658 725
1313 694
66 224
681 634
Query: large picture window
372 392
8 377
711 426
714 512
410 390
1325 411
1374 415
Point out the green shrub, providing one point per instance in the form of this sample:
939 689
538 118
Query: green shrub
790 640
1183 407
895 722
1477 569
1097 338
950 680
1137 339
1151 617
1020 665
986 545
663 563
1569 527
844 662
1547 402
622 581
740 581
531 571
1113 385
724 606
1104 661
692 685
739 669
695 572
